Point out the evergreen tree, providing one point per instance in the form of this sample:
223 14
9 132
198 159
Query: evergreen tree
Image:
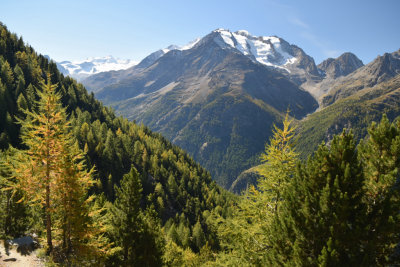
132 230
75 227
14 216
380 156
199 238
6 74
3 104
321 220
126 216
152 240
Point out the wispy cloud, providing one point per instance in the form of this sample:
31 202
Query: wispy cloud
298 22
306 32
331 52
324 47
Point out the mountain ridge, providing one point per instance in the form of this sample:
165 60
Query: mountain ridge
80 69
206 97
229 97
340 66
379 70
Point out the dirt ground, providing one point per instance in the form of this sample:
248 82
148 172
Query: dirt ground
18 256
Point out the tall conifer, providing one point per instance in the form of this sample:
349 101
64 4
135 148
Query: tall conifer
136 233
126 216
247 233
321 219
42 133
51 172
380 156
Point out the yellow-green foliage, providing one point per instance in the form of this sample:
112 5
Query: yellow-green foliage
245 235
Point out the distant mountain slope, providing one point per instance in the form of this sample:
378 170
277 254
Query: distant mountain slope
245 179
331 71
268 50
219 98
366 92
341 66
353 112
98 81
215 100
381 69
85 68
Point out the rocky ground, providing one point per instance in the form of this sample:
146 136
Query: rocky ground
19 252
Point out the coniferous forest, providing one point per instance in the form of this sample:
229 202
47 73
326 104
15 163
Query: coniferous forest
96 189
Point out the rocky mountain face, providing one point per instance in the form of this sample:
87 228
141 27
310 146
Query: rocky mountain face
218 99
380 70
270 51
355 100
330 71
341 66
355 112
219 96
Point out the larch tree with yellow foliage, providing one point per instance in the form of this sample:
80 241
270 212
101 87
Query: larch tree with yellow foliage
247 234
279 166
52 173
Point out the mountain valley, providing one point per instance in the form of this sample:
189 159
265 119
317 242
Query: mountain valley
234 149
219 96
216 101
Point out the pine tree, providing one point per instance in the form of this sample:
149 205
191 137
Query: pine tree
14 216
3 104
199 238
136 233
152 240
262 204
6 74
126 216
380 155
75 227
321 220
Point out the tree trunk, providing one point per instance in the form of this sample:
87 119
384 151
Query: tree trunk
48 221
48 163
8 216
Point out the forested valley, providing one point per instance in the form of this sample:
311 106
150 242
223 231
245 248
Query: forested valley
97 189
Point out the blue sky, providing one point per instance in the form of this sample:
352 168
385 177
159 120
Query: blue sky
77 29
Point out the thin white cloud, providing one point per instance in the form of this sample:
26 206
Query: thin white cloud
298 22
312 38
323 46
331 53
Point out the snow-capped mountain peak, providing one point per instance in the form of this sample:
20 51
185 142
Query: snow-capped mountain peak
181 48
190 44
268 50
84 68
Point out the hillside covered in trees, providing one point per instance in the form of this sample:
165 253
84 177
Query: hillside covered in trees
97 189
175 189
